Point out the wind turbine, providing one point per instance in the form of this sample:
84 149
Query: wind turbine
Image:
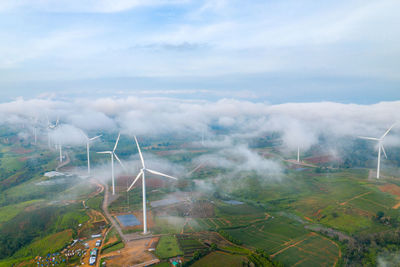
142 173
298 153
88 140
61 156
34 129
50 127
112 154
380 148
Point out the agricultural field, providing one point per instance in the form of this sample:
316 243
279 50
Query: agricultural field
168 247
221 259
253 211
189 245
280 237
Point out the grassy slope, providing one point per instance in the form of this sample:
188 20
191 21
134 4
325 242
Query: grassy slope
48 244
9 212
168 247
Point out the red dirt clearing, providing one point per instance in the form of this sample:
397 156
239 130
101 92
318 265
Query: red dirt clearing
391 189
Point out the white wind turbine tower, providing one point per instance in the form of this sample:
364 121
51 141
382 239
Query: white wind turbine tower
380 147
50 127
34 129
112 154
143 174
88 140
298 153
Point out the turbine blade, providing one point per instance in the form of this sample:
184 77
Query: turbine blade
161 174
383 136
140 152
94 138
384 152
120 162
368 138
116 143
134 181
104 152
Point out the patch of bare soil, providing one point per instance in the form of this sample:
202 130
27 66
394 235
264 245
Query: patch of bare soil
393 190
135 252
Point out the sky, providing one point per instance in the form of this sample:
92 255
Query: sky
270 51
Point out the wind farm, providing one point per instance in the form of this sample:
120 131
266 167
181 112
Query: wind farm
157 216
199 133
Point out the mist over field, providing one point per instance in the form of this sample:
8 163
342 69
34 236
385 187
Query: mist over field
300 124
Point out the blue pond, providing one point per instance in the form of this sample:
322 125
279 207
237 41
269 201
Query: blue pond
128 220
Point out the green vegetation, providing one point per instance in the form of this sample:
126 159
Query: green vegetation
11 262
286 240
37 223
95 202
189 245
9 212
220 259
230 238
272 224
162 264
112 234
168 247
117 245
49 244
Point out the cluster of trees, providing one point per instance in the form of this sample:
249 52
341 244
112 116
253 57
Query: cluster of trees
260 258
364 250
198 254
227 236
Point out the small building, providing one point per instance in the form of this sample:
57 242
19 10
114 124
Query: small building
177 261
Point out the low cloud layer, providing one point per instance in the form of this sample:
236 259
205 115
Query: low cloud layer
299 124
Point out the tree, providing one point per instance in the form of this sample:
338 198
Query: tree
380 214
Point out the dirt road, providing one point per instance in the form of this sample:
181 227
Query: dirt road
108 215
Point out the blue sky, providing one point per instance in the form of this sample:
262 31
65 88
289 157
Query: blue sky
273 51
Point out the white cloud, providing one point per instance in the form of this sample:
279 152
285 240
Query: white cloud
300 123
100 6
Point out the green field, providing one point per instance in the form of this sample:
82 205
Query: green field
189 245
112 247
273 219
9 212
168 247
286 240
220 259
49 244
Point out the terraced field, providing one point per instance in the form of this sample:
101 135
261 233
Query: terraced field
287 241
189 245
